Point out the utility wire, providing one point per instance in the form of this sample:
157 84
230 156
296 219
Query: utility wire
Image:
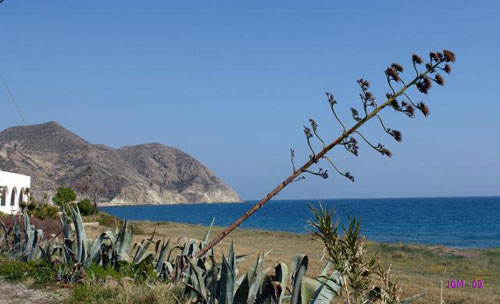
12 97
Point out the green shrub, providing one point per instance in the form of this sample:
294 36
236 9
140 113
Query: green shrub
107 220
86 207
140 273
43 211
89 292
99 273
64 196
47 211
13 270
41 272
124 291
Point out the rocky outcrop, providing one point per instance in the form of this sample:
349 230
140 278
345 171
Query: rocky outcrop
142 174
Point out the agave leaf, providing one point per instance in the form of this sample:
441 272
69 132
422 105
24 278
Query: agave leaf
242 289
28 241
198 280
252 272
232 258
207 234
308 289
195 289
239 281
67 237
242 257
256 284
328 289
325 270
179 266
123 241
47 251
161 256
16 246
169 267
194 248
211 283
147 255
329 286
142 248
281 271
299 268
81 237
96 247
35 251
226 283
185 248
5 235
190 248
171 250
27 224
122 257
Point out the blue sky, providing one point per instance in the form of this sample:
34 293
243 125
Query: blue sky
233 83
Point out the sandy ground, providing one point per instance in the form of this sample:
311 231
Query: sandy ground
17 293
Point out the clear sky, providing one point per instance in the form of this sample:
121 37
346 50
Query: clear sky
232 83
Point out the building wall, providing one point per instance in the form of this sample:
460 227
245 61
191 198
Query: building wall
14 186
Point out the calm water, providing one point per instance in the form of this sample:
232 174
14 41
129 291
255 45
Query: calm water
458 222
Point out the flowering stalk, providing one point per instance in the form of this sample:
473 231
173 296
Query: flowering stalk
422 81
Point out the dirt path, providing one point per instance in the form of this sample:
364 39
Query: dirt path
17 293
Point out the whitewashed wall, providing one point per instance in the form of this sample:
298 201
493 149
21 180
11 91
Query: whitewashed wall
13 191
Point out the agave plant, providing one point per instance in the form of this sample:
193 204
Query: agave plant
221 284
204 279
22 242
77 252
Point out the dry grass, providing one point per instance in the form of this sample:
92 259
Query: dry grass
124 291
418 268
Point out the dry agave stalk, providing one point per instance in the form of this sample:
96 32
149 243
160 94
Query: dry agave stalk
397 99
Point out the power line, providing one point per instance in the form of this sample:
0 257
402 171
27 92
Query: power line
12 97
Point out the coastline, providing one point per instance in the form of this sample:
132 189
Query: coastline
454 222
121 204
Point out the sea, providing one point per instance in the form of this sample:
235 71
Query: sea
460 222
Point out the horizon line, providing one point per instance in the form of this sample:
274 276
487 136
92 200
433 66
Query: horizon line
369 198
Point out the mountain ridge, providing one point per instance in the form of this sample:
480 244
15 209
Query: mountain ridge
149 173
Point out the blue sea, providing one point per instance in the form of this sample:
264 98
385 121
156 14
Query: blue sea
461 222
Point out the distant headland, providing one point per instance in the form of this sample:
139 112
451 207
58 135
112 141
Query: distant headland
143 174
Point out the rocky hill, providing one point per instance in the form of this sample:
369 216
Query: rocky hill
142 174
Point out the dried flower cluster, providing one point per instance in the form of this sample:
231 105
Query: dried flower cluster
397 98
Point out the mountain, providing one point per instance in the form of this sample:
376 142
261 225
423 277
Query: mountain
142 174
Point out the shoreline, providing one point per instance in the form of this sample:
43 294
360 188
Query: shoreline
420 221
110 204
295 234
161 204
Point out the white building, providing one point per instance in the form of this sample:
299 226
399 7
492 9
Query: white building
13 191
